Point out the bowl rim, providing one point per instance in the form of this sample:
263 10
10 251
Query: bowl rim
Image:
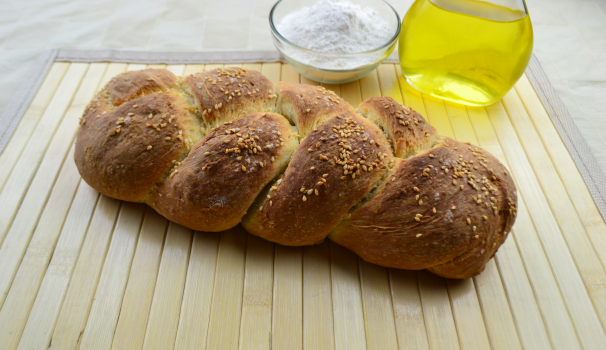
331 70
275 31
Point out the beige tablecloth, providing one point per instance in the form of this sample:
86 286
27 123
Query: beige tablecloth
570 40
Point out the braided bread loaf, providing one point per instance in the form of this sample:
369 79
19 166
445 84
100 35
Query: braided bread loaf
294 164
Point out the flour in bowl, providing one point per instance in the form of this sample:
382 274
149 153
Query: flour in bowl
335 27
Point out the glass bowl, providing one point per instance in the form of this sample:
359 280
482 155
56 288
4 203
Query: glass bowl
309 63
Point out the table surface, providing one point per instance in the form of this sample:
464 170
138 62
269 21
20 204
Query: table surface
570 40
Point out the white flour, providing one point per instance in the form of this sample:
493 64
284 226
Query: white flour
336 27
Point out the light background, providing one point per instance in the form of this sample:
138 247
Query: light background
570 40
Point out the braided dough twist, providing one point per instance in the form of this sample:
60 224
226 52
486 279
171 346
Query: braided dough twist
295 164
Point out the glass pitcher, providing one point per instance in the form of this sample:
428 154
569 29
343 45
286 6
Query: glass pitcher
466 51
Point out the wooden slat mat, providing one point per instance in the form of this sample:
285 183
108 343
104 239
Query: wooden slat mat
80 270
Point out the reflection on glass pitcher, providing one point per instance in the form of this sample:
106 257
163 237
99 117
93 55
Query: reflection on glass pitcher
467 51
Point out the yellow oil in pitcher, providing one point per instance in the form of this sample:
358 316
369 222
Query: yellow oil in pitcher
466 51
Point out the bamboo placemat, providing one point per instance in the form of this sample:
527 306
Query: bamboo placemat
80 270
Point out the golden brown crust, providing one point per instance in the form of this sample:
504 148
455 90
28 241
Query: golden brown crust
124 153
224 172
130 85
308 106
227 93
433 211
472 262
407 131
316 190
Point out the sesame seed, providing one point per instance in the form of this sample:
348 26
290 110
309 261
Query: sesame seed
417 218
416 189
419 235
468 221
474 228
243 168
304 199
226 141
129 114
316 192
476 236
454 182
149 147
453 207
431 155
417 197
434 210
421 202
482 251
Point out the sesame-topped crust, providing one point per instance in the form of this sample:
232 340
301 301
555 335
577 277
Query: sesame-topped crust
295 164
130 85
331 170
224 172
124 152
227 93
407 131
453 201
308 106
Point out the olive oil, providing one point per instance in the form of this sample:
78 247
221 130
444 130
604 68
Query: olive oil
466 51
